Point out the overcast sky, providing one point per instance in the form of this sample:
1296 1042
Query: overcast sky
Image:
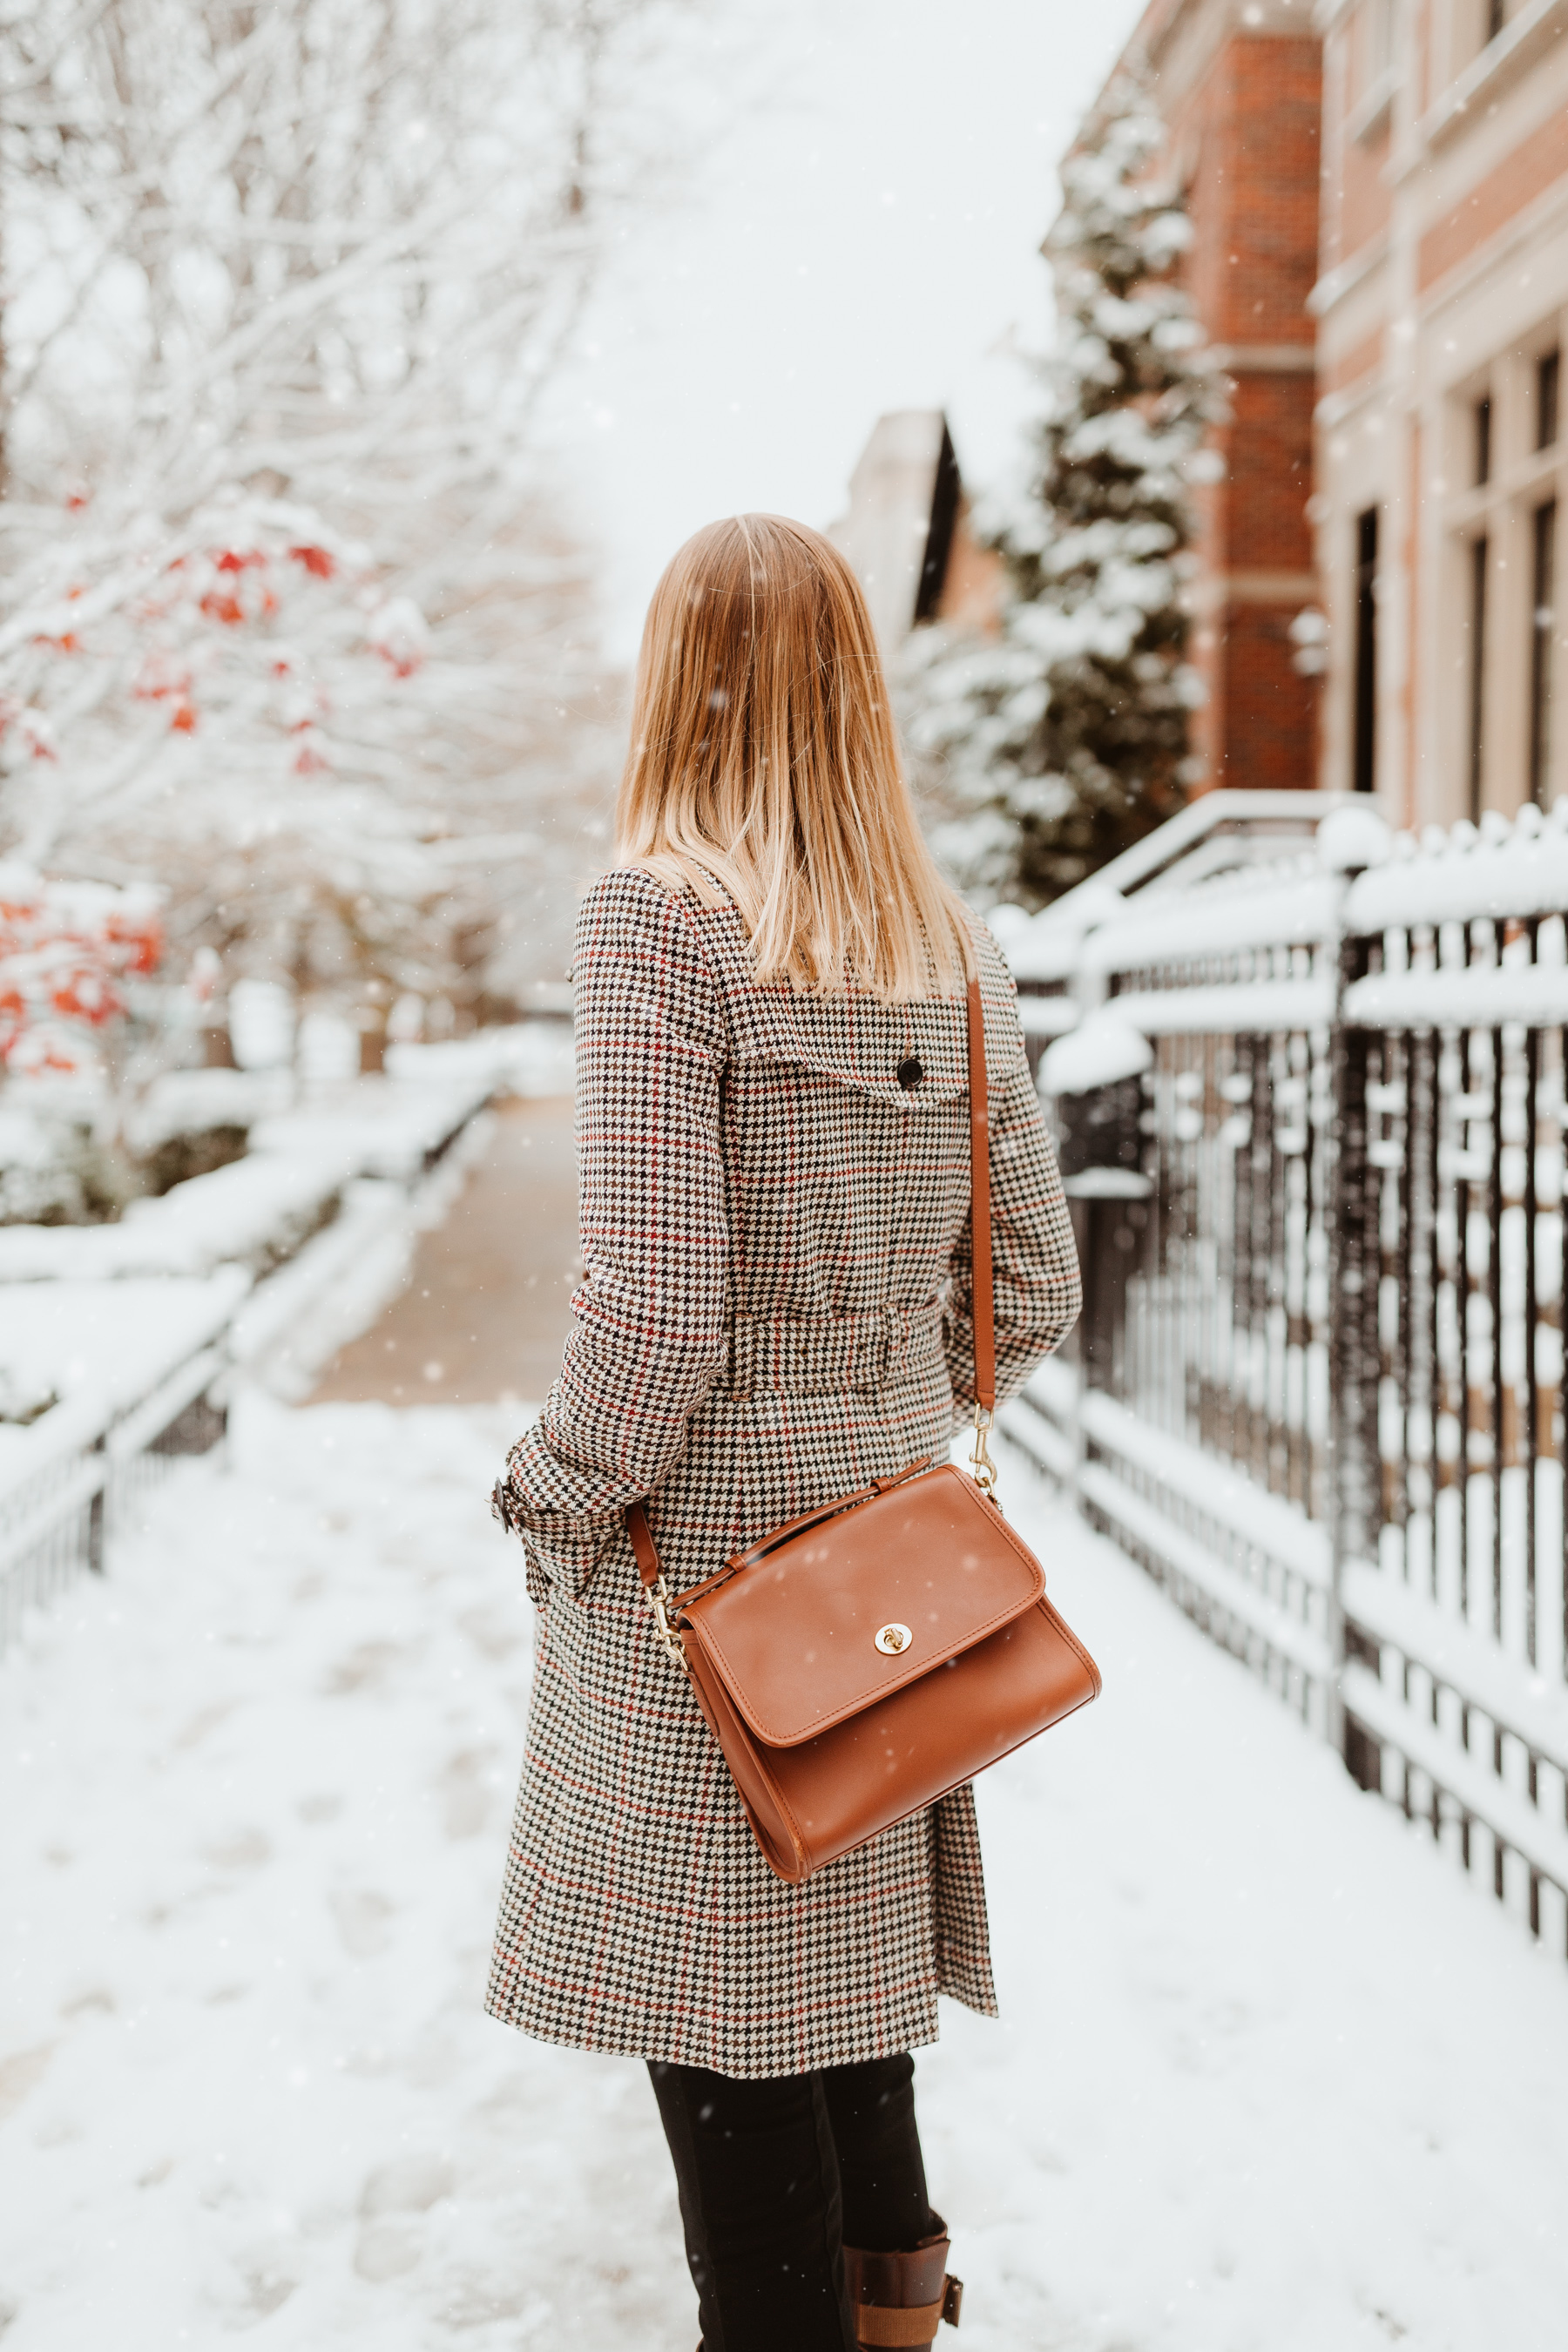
863 235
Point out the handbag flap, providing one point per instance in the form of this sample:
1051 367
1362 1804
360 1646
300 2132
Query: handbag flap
928 1566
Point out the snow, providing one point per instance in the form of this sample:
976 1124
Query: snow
252 1211
526 1057
260 1207
47 1156
1474 995
1108 1184
1262 1522
116 1340
1102 1052
1534 1705
330 1291
1272 2076
1210 1486
1047 1016
335 1286
1352 835
1053 947
188 1102
1127 1513
1055 1385
1463 875
381 1129
1489 1803
1223 917
1246 1008
261 1016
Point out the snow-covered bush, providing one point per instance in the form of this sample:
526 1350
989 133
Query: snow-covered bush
57 1165
67 950
1064 738
69 954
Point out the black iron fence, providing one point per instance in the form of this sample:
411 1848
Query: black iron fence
1319 1387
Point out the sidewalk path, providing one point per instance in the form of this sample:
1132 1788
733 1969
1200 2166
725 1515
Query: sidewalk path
484 1312
1273 2078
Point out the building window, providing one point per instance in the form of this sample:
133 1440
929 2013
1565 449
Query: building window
1543 574
1477 670
1497 737
1546 381
1364 750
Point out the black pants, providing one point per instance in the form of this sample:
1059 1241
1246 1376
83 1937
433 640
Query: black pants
776 2178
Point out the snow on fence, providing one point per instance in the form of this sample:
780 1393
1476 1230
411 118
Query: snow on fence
69 1477
1312 1116
261 1270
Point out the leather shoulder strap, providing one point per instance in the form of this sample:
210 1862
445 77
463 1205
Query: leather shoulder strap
644 1550
985 1304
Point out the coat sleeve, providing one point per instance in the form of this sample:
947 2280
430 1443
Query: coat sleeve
647 1333
1034 1270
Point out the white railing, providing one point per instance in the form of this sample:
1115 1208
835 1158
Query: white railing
176 1326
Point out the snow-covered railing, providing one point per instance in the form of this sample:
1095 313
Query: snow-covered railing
1312 1115
261 1269
65 1479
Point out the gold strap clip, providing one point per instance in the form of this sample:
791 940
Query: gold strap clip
979 1460
661 1600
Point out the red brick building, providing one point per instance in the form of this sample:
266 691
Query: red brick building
1391 320
1239 83
1441 454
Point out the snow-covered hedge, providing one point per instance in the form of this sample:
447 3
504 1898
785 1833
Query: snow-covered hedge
113 1335
257 1211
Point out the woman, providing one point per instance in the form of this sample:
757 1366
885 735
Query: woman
772 1116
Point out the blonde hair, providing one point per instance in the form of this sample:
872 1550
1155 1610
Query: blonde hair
764 761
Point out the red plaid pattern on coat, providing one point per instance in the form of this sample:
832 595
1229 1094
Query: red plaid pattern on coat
776 1308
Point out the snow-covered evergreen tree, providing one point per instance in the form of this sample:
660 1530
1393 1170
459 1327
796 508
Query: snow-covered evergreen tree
1064 739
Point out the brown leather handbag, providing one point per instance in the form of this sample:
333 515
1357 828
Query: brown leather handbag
860 1661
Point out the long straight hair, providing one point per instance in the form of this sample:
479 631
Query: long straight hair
764 761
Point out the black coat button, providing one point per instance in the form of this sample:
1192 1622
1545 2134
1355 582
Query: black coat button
911 1073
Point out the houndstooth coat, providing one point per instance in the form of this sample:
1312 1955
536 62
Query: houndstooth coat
776 1308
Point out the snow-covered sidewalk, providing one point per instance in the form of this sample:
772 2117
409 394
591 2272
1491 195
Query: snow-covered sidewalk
1273 2078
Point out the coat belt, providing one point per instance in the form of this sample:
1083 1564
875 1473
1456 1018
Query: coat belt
830 1354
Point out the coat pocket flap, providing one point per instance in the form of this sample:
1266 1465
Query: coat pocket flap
836 1618
863 1045
933 1088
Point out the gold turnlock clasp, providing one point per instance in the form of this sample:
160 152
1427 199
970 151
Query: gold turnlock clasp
979 1460
659 1599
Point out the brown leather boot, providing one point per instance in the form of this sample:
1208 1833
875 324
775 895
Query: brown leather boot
899 2299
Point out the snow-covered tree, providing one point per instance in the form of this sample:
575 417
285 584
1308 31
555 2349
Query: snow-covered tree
286 620
1064 738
